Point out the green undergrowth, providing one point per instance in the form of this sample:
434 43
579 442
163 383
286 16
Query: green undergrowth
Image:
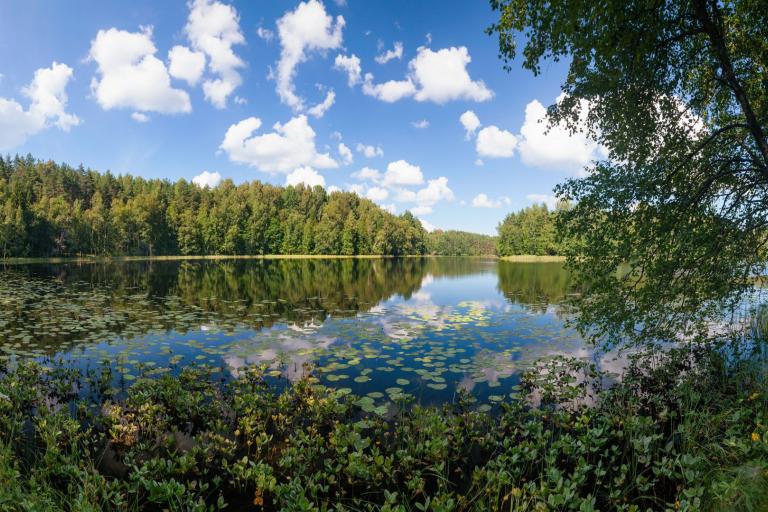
684 430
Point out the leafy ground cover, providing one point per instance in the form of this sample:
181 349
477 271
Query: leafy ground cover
683 430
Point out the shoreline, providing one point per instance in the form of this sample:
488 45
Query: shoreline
215 257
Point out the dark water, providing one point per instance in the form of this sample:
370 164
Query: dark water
378 327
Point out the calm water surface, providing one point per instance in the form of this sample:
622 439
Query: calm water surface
383 328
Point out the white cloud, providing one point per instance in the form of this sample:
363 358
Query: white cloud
336 135
395 53
305 175
320 109
420 124
289 146
483 201
442 76
367 174
391 208
470 122
49 96
421 210
307 28
351 66
265 34
186 64
390 91
369 151
550 201
435 191
357 188
428 226
207 179
554 148
214 28
332 189
401 172
493 142
437 76
131 76
139 117
345 153
377 194
479 162
48 103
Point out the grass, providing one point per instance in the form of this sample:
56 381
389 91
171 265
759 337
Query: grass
684 430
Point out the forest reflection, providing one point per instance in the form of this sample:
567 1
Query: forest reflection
95 301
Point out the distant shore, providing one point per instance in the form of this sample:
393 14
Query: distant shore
523 258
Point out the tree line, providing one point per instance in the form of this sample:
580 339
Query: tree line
50 209
532 231
460 243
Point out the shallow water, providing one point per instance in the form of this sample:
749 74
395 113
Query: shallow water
385 328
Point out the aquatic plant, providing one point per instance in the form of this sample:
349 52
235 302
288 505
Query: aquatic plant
684 430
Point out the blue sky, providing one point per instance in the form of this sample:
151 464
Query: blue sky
117 100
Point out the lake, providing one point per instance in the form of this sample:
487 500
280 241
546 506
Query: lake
420 328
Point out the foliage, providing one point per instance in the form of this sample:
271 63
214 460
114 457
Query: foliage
671 227
51 210
460 243
685 430
530 231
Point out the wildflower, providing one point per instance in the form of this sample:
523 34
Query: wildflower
754 396
677 504
237 432
755 436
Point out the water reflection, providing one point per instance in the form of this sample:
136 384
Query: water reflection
384 327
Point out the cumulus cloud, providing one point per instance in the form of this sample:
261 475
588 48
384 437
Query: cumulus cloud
437 76
483 201
308 28
549 200
494 142
369 151
289 146
213 28
306 176
345 153
555 147
442 76
390 91
395 53
130 76
377 194
420 124
428 226
48 103
401 173
398 182
367 174
185 64
320 109
351 66
435 191
207 179
139 117
470 122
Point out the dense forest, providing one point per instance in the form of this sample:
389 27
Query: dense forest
460 243
529 231
49 209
